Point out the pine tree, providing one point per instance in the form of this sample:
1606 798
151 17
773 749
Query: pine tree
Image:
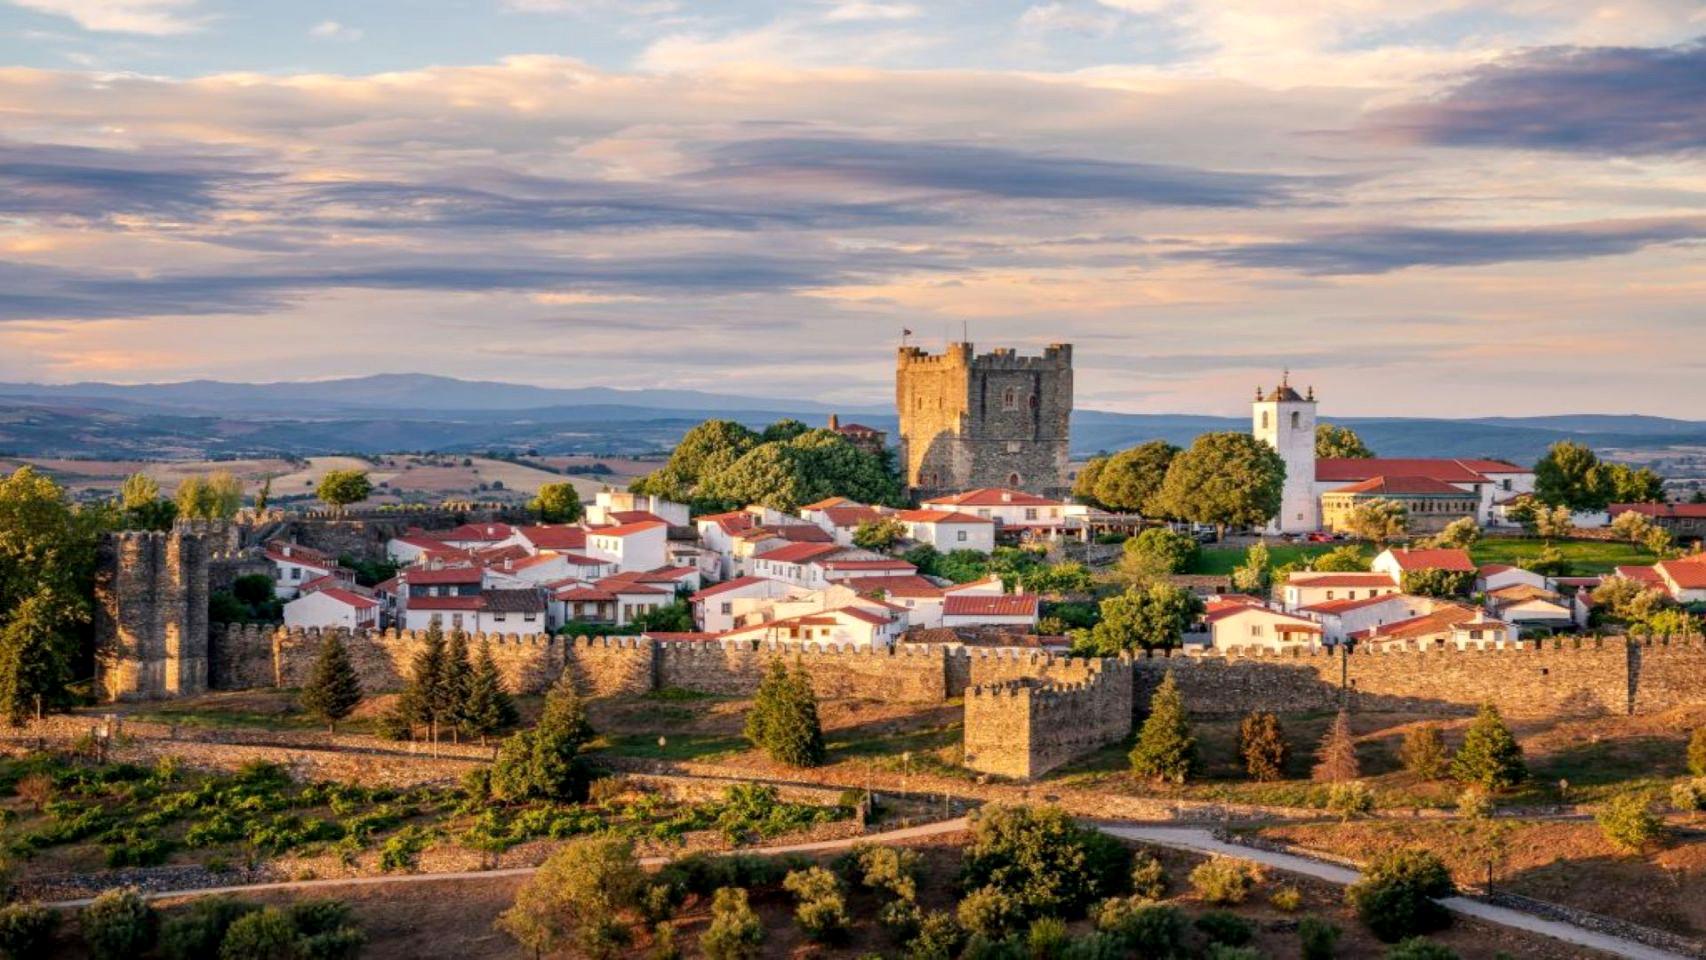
548 761
1424 753
450 700
783 721
1262 744
487 708
1165 748
1336 758
1490 757
421 697
334 690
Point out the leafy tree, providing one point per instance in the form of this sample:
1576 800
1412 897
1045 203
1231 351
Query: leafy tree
1254 574
1345 559
1697 752
1657 542
783 430
1043 859
1060 578
1627 600
735 932
879 534
1424 753
334 689
1459 534
119 925
1336 757
1420 948
1154 618
144 508
1435 582
1165 749
1631 485
1128 480
340 488
47 573
1570 475
963 566
1549 562
1554 522
1632 526
1398 895
26 931
265 934
1318 939
1490 757
786 475
783 721
926 558
703 452
263 495
557 503
821 903
1084 484
1262 744
217 496
549 761
488 708
1628 823
586 895
1225 479
1380 520
1335 442
1170 551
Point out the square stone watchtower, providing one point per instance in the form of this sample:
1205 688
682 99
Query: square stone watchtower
992 420
151 593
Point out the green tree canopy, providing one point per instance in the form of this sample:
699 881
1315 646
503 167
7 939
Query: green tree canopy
142 505
783 721
1171 551
1490 757
1151 618
1165 749
547 762
340 488
783 430
1380 520
1128 480
1334 442
1224 479
1572 475
334 690
217 496
786 475
557 503
703 452
587 895
1084 484
879 534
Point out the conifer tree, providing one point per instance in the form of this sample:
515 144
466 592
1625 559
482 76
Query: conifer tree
547 762
421 697
488 707
450 699
1336 758
1262 744
1490 757
334 689
783 721
1165 748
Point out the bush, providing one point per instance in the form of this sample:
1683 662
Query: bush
1474 804
735 932
1689 796
548 761
119 925
938 938
1697 752
1628 823
1222 880
1420 948
584 893
1094 946
1148 878
1349 799
1336 757
1223 926
1147 929
1220 951
1424 753
197 932
990 911
1047 938
1490 757
892 869
1318 939
26 931
1286 899
980 947
265 934
1044 860
1398 894
783 721
664 946
901 918
1262 744
821 909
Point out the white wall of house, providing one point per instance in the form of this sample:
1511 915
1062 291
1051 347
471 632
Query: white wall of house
289 576
322 610
1261 627
1391 609
1299 593
636 550
951 536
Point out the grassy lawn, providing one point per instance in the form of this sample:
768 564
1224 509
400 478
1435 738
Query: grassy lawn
1219 561
1586 557
675 746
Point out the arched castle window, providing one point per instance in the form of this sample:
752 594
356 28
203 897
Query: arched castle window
1013 480
1264 419
1296 420
1010 399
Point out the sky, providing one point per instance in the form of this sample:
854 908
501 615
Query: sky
1422 208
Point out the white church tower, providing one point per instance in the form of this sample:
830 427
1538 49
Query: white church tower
1284 420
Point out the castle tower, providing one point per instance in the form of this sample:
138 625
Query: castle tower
1285 420
995 420
151 592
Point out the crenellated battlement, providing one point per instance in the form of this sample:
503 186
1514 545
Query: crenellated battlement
1025 727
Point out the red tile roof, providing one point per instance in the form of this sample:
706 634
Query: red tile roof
584 593
314 562
634 516
1648 575
1668 511
414 575
1488 569
1428 624
939 516
628 529
869 565
1350 470
800 552
901 586
1687 575
630 588
1336 607
349 598
990 605
1304 578
727 585
850 516
823 504
477 533
1403 486
1436 559
446 603
994 497
555 537
1292 624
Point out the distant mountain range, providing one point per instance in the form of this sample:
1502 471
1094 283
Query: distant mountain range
389 412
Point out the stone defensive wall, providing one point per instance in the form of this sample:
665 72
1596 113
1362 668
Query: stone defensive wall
1562 677
1023 728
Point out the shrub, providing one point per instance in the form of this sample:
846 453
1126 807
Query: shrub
1147 929
1220 951
583 894
783 721
1287 899
1474 804
1420 948
1349 799
1148 878
197 932
735 932
1490 757
664 946
1697 752
1424 753
36 789
1165 749
1222 880
990 911
26 931
1397 896
1042 859
265 934
938 938
119 925
1336 757
821 909
547 762
1223 926
1047 938
1689 796
1262 744
1094 946
980 947
1318 939
888 868
1628 823
901 918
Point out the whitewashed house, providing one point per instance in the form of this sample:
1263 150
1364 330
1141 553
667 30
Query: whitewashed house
949 530
1306 588
631 546
332 607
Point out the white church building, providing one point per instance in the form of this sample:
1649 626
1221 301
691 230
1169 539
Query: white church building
1285 420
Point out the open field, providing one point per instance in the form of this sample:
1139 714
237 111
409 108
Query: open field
1586 557
104 476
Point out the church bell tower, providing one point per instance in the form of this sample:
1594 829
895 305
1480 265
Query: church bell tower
1285 420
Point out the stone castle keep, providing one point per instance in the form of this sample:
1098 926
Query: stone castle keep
991 420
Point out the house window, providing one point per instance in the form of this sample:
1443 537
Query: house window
456 620
1255 629
500 617
1030 513
296 573
1350 595
961 536
1012 480
1010 399
529 617
728 608
438 619
1329 594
